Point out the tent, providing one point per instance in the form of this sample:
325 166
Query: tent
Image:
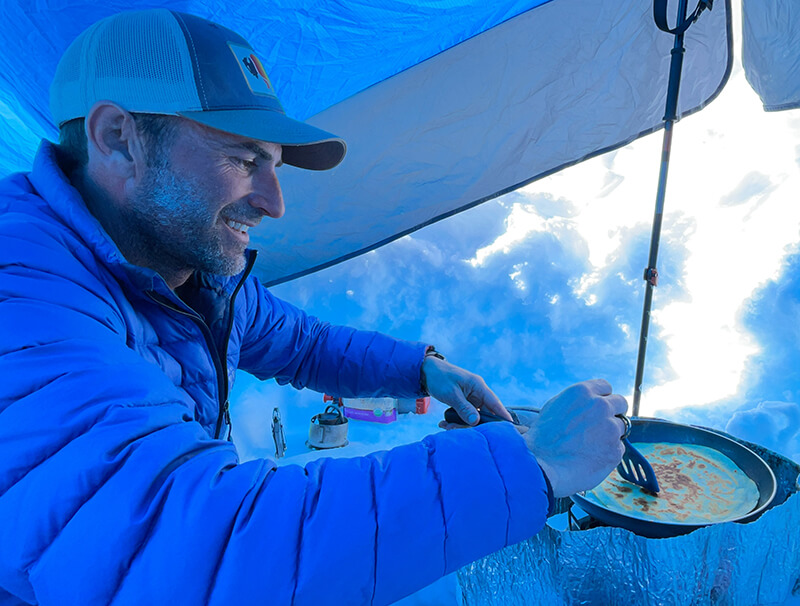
444 104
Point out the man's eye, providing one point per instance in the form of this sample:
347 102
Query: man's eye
248 165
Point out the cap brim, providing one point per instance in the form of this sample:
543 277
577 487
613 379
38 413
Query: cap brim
304 146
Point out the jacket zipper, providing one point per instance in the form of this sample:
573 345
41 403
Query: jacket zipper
224 406
220 362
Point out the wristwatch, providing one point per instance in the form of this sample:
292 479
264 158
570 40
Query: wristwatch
430 352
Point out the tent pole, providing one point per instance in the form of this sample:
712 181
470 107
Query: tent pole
650 273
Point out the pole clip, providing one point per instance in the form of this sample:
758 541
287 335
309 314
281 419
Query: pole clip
651 276
660 16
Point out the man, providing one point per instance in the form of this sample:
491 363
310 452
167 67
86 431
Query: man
126 306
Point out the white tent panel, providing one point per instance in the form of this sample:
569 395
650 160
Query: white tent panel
771 51
515 103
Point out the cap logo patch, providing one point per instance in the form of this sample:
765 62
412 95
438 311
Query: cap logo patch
253 71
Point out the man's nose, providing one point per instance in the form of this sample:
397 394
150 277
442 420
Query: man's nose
267 194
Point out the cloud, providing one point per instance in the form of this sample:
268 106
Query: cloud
546 205
519 314
775 425
764 409
753 185
772 316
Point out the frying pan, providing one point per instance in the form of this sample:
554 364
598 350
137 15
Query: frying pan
656 430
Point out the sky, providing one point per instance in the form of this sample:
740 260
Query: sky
543 287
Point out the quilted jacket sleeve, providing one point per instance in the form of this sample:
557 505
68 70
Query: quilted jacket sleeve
110 493
281 341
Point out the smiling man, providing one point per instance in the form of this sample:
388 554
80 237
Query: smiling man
126 306
191 199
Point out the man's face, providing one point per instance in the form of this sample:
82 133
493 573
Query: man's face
197 200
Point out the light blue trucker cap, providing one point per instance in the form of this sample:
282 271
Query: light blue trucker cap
165 62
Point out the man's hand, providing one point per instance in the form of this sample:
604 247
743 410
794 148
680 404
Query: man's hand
463 390
576 439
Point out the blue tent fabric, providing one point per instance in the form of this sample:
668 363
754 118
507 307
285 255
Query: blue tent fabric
423 92
317 58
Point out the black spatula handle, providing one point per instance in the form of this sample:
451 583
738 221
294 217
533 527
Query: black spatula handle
451 416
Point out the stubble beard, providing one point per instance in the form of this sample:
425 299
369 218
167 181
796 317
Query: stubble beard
174 228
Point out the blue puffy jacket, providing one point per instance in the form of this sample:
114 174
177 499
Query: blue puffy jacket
116 486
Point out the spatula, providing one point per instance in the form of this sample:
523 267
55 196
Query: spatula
634 467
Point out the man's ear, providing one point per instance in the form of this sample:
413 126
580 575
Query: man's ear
116 150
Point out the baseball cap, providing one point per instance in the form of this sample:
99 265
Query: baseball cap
164 62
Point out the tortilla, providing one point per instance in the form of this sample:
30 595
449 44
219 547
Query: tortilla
699 485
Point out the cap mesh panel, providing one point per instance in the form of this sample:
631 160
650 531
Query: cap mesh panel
66 93
138 60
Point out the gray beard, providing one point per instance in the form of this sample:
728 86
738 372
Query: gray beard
171 227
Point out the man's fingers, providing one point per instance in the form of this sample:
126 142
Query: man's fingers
618 406
620 452
464 391
499 410
599 387
482 397
617 403
465 410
